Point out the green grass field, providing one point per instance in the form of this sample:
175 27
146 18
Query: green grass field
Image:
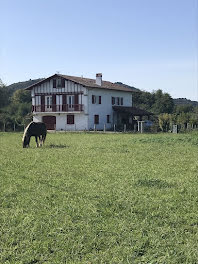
99 198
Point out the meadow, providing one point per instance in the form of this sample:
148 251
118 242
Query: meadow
99 198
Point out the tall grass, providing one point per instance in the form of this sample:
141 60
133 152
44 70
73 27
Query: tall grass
99 198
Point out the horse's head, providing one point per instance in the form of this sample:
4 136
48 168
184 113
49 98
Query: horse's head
26 141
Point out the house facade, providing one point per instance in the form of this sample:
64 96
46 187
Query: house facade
65 102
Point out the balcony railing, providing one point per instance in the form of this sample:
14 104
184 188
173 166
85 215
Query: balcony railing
58 108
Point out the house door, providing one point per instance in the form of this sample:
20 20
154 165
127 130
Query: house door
50 122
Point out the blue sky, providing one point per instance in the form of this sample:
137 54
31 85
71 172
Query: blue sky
149 44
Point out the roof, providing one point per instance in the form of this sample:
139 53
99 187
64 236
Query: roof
86 82
132 110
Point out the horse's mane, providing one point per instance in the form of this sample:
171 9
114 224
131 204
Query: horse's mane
25 131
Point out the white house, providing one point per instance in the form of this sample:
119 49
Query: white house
77 103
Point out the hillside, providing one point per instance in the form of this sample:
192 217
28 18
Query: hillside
130 87
184 101
21 85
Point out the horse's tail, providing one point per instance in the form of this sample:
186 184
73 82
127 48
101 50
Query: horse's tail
25 132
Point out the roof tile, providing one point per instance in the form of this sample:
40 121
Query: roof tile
90 83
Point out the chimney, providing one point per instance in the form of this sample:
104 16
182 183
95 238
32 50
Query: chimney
99 79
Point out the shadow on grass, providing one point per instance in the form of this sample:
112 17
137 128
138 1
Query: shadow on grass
57 146
155 183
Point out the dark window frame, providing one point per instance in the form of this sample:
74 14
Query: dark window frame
93 99
70 120
96 119
63 82
59 83
108 119
113 100
54 83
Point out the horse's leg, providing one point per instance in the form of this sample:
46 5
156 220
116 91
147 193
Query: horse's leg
40 141
36 138
28 143
43 138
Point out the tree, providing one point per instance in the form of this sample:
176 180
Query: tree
156 102
193 120
143 99
163 103
5 119
4 95
21 96
178 109
17 110
165 122
183 119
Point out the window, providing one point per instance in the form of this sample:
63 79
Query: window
63 83
37 100
70 119
70 100
108 119
96 99
93 99
59 102
96 119
48 101
113 100
59 83
117 100
54 83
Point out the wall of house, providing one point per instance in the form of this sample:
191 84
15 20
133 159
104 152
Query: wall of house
105 108
80 121
37 118
47 87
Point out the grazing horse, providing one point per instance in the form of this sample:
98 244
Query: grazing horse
36 129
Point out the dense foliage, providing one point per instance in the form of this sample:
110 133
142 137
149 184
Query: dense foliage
15 108
168 113
156 102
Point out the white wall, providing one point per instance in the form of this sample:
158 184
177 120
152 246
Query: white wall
105 108
80 122
37 118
